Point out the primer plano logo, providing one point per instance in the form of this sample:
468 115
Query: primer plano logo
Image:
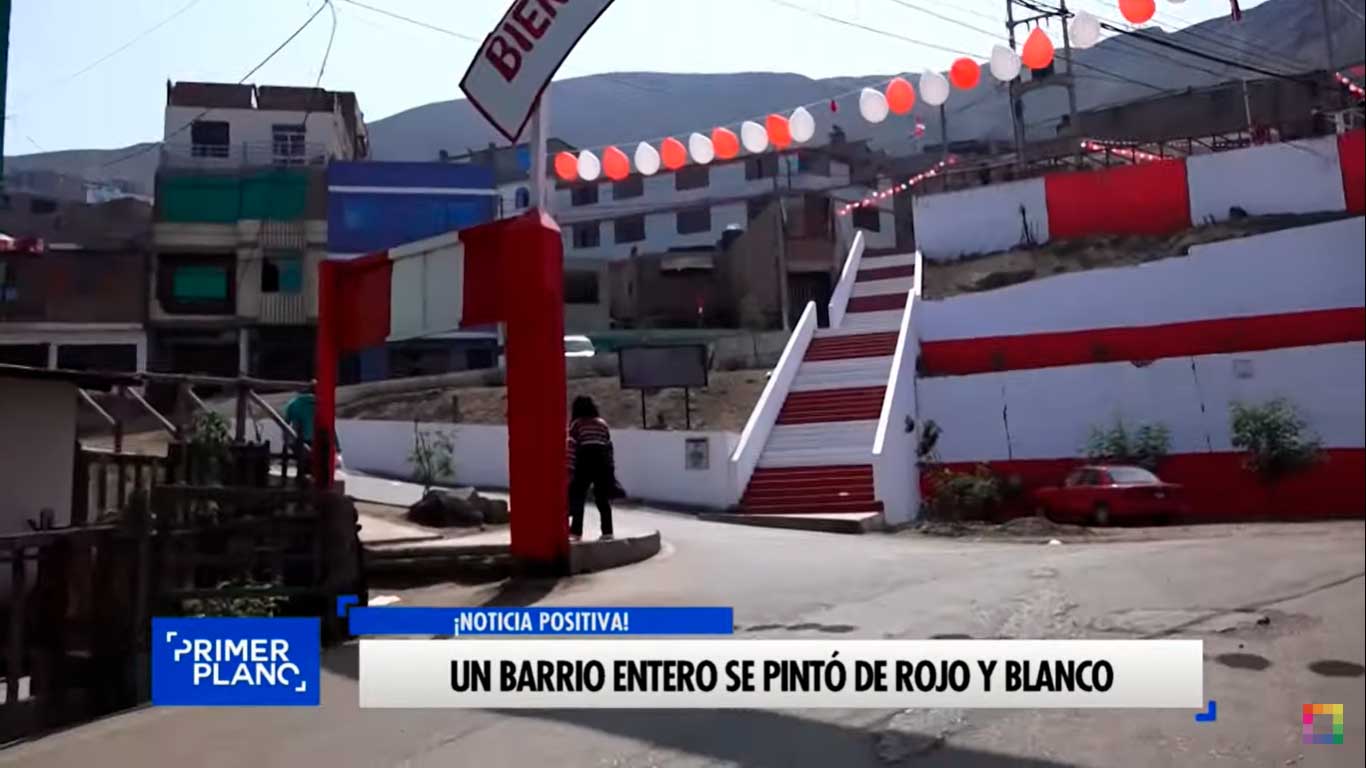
236 662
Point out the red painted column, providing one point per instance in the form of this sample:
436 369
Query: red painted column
325 376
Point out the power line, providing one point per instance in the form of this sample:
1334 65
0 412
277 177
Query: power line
332 35
153 145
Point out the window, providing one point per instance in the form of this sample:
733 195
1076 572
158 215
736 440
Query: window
868 218
522 198
287 142
587 235
209 138
282 272
633 186
580 287
817 163
42 205
692 220
692 177
630 229
755 207
1132 476
192 284
761 167
584 194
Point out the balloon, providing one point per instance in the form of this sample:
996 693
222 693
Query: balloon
1085 30
834 106
1137 11
779 132
566 166
934 89
701 149
1038 50
900 96
647 159
615 164
802 125
590 167
674 153
1005 65
753 136
965 74
725 142
872 105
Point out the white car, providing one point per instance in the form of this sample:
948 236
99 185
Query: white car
578 346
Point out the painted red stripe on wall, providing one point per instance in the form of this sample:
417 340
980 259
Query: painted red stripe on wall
1146 199
1218 486
1352 155
960 357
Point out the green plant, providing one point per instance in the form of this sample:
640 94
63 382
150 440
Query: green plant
263 605
210 440
1276 438
961 495
1144 447
432 457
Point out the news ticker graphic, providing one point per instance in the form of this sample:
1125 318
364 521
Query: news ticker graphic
460 622
213 662
658 673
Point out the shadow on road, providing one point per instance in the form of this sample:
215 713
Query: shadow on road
766 739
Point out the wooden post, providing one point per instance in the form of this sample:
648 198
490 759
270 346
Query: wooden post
18 615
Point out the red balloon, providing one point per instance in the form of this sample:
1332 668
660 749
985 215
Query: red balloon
674 153
965 74
1038 50
900 96
725 143
779 133
834 106
566 166
615 164
1137 11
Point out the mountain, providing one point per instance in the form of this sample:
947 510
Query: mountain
1279 35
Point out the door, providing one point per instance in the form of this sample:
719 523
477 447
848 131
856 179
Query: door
809 286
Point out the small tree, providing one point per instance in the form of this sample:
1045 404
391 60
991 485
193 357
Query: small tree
432 457
1144 447
1276 438
959 495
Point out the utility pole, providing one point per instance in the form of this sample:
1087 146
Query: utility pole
781 227
1066 80
4 79
1327 38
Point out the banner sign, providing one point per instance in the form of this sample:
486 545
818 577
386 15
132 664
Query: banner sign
520 56
215 662
461 622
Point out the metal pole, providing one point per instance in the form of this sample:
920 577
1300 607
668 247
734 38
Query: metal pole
1073 118
782 250
1014 89
943 134
4 79
1247 110
1328 38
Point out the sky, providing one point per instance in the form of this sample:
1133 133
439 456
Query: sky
57 100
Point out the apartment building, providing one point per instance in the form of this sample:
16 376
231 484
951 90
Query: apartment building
240 225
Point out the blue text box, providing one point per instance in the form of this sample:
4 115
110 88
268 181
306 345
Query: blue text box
542 621
212 662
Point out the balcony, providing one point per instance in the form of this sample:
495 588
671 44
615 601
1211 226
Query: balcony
220 157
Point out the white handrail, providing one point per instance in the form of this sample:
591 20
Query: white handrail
888 399
765 413
839 300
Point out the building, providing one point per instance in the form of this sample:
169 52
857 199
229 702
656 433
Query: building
79 300
241 225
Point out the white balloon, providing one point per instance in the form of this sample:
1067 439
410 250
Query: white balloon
802 125
872 105
753 136
1085 30
590 167
1005 63
934 88
700 148
647 159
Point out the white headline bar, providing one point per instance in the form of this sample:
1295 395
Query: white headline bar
781 674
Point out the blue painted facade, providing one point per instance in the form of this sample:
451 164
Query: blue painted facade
375 206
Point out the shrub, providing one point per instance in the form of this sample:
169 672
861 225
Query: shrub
1275 437
210 439
960 495
1144 447
264 605
432 457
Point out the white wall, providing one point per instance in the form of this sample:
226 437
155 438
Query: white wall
1307 268
37 451
896 473
252 128
1294 177
650 464
979 220
1050 411
885 235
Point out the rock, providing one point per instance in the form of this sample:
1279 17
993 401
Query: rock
447 509
494 511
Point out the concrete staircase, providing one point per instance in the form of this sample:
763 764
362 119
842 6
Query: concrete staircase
815 470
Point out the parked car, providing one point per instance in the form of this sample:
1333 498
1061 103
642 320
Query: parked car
1101 495
578 346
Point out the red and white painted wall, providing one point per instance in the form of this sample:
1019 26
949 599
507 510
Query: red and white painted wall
1324 174
1017 377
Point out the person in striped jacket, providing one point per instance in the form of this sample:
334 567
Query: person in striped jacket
592 465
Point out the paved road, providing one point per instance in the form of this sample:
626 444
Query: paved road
1305 584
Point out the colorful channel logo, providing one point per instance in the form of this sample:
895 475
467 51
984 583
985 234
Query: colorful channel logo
1311 714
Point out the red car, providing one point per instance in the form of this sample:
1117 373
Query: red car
1101 495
